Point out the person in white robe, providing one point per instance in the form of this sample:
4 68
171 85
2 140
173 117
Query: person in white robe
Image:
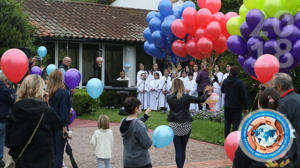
228 67
142 70
195 71
142 89
153 71
184 77
155 88
166 87
217 78
191 89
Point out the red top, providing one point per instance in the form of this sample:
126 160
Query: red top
287 92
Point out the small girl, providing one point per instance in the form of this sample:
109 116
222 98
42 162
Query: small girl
102 141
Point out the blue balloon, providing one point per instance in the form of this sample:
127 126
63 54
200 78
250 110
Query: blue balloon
155 52
151 15
177 11
42 51
187 4
147 34
147 47
158 39
50 68
155 24
166 29
94 87
165 7
173 58
162 136
170 17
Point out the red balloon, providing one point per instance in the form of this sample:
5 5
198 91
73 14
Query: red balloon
231 144
14 64
213 31
189 16
201 3
220 45
204 45
178 48
220 17
178 28
191 30
199 33
229 15
204 16
213 5
191 48
266 67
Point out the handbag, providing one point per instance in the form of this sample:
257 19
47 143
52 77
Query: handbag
10 162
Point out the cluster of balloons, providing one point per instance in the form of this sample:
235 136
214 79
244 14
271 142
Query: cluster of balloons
94 87
201 32
162 136
158 35
266 27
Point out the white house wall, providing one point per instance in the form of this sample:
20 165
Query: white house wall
141 4
129 57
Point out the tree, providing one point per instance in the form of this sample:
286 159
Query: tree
15 28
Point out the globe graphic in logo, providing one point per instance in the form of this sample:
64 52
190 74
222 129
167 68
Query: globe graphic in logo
265 135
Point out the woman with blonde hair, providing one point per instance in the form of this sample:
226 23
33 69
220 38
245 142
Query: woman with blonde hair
60 102
31 126
180 119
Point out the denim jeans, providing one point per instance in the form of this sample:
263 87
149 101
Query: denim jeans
2 138
104 163
180 143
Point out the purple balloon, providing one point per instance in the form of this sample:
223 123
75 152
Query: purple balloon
255 46
72 78
36 70
297 20
286 19
245 30
271 27
287 62
255 18
241 60
73 117
270 47
237 45
291 33
296 51
249 66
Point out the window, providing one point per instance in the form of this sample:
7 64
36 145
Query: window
71 50
50 57
113 62
89 67
142 57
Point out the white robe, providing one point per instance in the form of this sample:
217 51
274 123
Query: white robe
184 80
166 86
195 74
192 86
154 95
143 93
138 76
151 75
217 89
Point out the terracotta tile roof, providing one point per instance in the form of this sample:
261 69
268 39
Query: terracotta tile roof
81 20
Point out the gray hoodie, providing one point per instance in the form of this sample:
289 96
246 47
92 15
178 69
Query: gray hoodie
136 143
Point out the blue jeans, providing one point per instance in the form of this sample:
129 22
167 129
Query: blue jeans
104 162
180 143
2 138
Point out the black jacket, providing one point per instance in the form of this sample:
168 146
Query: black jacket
7 99
60 102
21 122
180 108
235 93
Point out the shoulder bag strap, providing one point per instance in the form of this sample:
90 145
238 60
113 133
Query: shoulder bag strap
30 139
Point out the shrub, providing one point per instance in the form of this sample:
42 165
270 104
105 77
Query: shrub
83 103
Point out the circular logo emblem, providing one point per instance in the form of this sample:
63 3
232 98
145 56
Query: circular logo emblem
265 135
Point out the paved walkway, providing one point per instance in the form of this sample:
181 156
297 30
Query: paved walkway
199 154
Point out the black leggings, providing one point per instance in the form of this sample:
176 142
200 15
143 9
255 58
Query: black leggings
180 143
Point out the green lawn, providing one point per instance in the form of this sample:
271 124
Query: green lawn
204 130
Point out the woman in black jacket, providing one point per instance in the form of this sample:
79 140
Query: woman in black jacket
22 121
60 102
180 119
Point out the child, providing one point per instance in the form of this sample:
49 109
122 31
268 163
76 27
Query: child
166 87
102 141
184 77
142 89
191 89
141 71
136 140
155 87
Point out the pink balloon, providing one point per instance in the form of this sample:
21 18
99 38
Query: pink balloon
266 67
201 3
178 28
191 48
213 5
189 16
220 45
213 31
14 64
204 16
199 33
178 48
231 144
229 15
204 45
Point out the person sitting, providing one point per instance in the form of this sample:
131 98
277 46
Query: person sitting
123 77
